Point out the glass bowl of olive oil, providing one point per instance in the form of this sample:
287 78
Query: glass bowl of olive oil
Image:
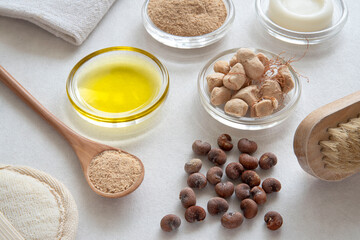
117 86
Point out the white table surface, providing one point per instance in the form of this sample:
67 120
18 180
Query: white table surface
311 209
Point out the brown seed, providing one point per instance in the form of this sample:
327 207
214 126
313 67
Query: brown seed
267 160
224 189
242 191
197 180
195 213
201 148
193 166
249 162
187 197
170 222
247 146
217 205
271 185
273 220
224 142
251 178
214 175
217 156
234 170
232 220
259 195
249 208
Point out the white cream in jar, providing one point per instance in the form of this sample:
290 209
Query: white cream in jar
301 15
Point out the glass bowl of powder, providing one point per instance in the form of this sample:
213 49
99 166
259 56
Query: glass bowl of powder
187 24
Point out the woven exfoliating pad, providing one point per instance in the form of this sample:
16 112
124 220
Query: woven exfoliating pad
37 205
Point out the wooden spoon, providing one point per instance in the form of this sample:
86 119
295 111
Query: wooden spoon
84 148
313 129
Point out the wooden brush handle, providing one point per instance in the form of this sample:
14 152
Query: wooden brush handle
313 129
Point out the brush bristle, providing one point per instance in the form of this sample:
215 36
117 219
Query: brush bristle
342 150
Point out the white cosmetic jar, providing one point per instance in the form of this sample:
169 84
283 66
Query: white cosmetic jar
339 18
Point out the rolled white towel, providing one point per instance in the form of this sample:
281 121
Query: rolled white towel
71 20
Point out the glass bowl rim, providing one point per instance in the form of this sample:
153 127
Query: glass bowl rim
187 40
327 31
247 123
105 117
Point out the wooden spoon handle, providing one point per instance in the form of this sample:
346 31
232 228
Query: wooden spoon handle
17 88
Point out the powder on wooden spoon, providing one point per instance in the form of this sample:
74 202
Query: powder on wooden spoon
114 171
187 17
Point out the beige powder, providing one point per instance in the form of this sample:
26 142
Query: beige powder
187 17
114 171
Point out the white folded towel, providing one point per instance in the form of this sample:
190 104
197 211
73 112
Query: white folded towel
72 20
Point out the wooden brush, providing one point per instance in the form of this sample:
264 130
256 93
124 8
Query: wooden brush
327 141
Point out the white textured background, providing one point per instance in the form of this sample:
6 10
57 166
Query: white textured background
311 209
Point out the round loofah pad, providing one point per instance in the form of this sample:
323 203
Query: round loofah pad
37 205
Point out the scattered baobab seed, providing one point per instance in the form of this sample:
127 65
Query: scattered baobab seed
247 146
267 160
258 194
273 220
271 185
249 162
249 208
195 214
251 178
201 148
217 205
242 191
232 220
197 180
193 166
170 222
214 175
224 142
248 192
217 156
234 170
224 189
187 197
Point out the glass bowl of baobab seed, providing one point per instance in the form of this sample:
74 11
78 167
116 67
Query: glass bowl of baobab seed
182 24
248 97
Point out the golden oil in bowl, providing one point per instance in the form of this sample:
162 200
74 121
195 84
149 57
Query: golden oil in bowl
117 86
